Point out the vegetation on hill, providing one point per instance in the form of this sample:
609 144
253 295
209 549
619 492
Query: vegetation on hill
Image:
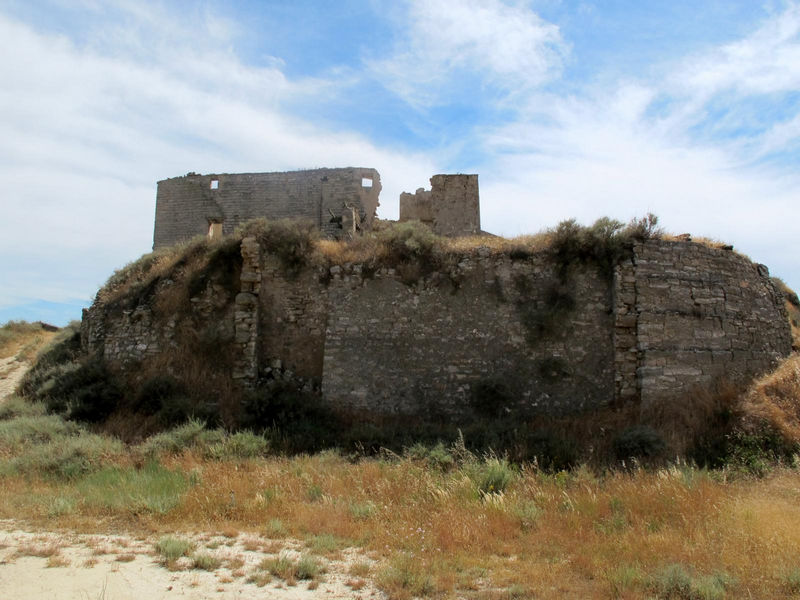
434 521
706 428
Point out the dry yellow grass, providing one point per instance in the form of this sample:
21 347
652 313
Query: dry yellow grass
774 398
23 340
548 536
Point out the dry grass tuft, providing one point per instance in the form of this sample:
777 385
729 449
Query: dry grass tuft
775 399
23 339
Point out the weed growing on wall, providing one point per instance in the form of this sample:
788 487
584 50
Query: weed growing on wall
292 241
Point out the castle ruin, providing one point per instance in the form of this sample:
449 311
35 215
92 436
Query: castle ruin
671 317
338 202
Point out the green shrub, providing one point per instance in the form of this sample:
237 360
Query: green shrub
412 248
292 241
192 435
25 431
91 392
65 457
438 457
406 575
206 561
64 349
171 548
153 489
644 228
239 445
674 581
16 406
493 476
308 568
638 441
756 452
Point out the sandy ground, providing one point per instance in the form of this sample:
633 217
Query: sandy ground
39 565
11 371
66 566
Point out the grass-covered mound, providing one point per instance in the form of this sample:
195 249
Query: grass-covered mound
195 384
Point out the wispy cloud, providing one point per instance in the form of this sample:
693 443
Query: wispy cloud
664 146
474 44
89 127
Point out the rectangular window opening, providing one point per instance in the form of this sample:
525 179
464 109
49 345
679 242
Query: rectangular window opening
214 184
214 230
366 182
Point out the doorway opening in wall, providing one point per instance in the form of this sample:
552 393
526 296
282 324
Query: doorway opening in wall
214 230
366 182
215 184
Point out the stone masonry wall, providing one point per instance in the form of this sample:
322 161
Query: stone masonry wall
185 206
675 316
704 314
451 207
423 348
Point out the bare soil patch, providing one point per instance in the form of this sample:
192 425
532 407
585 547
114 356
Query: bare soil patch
68 566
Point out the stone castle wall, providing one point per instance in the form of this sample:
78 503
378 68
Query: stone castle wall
332 199
674 316
451 207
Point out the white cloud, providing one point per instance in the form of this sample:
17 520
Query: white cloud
89 129
506 46
607 152
766 61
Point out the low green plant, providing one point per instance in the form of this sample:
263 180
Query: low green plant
791 580
25 431
191 435
405 577
205 561
493 475
281 566
361 511
65 457
16 406
308 567
324 543
437 457
239 445
276 528
171 548
153 489
676 582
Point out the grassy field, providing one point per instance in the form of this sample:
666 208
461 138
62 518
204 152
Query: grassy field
436 522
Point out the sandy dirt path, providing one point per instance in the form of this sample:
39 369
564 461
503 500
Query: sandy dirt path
11 372
67 566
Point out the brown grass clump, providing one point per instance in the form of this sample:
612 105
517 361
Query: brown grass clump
23 339
774 399
792 305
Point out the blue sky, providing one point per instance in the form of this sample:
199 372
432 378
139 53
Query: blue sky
566 109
